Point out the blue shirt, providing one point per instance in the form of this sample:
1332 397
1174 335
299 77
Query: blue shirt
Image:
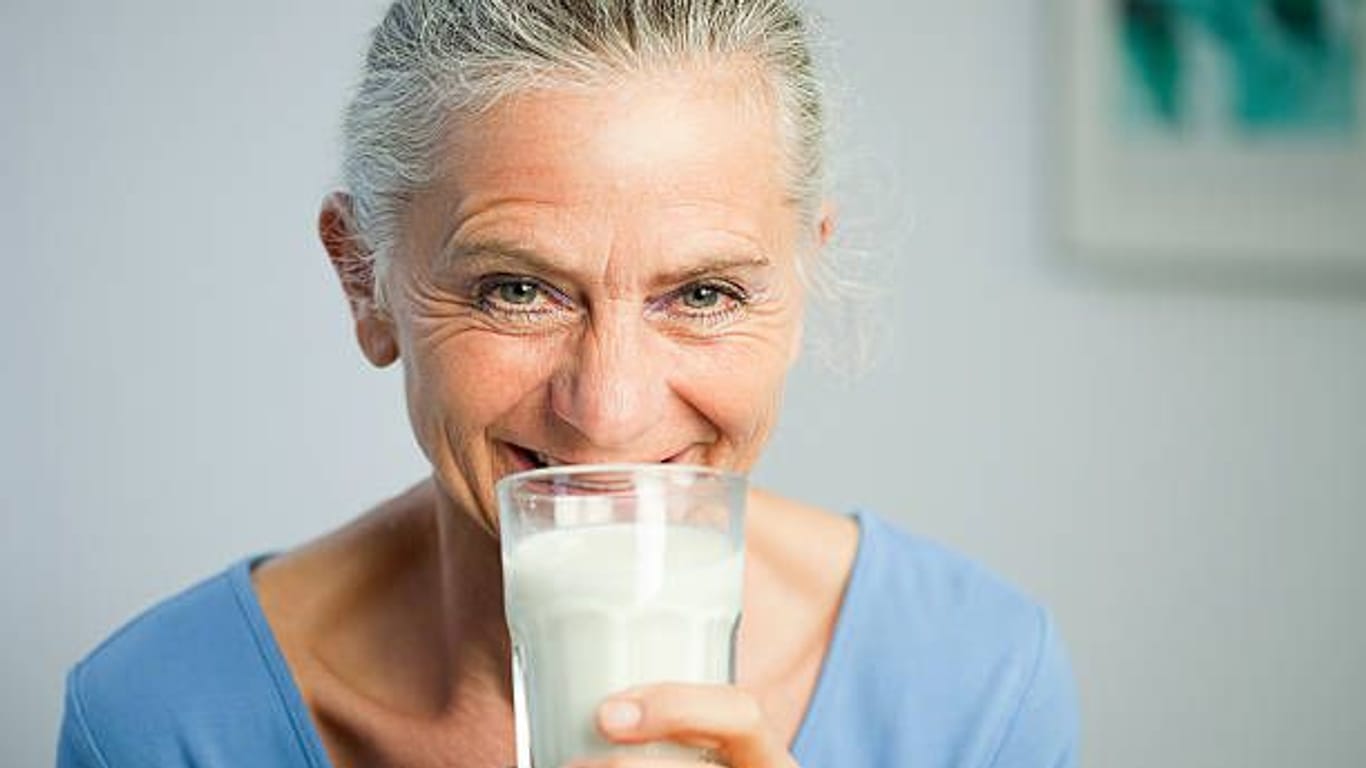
934 662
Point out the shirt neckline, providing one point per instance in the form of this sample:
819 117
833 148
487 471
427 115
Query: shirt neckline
300 719
310 740
840 639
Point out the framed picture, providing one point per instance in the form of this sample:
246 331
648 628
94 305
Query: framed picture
1223 130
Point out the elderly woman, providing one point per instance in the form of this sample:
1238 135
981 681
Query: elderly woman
585 229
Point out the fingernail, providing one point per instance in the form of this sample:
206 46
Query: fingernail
619 715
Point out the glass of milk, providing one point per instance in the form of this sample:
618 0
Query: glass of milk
616 576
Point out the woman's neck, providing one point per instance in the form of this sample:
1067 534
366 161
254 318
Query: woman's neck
403 606
467 577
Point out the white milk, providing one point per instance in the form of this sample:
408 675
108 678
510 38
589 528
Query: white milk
597 609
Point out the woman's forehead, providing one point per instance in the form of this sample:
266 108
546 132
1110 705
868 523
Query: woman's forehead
654 162
678 138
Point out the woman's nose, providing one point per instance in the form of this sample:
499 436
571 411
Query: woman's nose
612 389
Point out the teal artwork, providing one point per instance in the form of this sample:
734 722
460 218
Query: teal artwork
1249 68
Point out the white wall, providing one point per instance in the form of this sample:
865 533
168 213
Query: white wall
1178 471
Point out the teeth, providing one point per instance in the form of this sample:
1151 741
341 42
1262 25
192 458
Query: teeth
548 461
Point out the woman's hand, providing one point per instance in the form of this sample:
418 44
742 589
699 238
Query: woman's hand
724 719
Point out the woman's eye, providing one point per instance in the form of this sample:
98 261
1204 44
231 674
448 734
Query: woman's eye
519 292
701 296
518 298
710 302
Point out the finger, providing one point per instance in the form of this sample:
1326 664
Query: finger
723 718
631 761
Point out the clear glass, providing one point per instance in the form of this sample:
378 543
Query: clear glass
616 576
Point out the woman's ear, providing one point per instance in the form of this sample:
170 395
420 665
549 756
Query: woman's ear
356 271
825 229
825 224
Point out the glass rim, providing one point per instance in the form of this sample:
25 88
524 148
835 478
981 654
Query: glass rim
509 482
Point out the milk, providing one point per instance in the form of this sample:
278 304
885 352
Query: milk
597 609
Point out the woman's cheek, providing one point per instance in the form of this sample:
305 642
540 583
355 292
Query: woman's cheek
737 387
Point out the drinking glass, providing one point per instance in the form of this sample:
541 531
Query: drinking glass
616 576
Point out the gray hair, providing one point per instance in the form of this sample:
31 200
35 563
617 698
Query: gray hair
432 59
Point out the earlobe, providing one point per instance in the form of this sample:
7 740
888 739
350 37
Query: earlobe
825 224
355 271
377 341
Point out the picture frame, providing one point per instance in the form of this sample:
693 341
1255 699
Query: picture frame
1170 157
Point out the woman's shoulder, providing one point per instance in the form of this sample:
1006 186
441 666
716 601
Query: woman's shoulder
907 592
898 566
189 628
878 566
185 677
928 635
205 675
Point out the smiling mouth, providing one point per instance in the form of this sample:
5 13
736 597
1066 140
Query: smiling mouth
527 459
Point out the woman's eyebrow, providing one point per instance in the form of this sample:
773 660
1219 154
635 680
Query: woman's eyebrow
504 255
498 254
714 265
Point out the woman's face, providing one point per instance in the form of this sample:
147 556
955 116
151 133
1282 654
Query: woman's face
600 275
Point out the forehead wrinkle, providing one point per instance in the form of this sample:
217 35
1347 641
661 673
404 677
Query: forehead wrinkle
472 209
500 232
502 255
734 251
476 244
657 214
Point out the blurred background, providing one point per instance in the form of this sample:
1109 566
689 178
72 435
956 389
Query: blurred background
1154 427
